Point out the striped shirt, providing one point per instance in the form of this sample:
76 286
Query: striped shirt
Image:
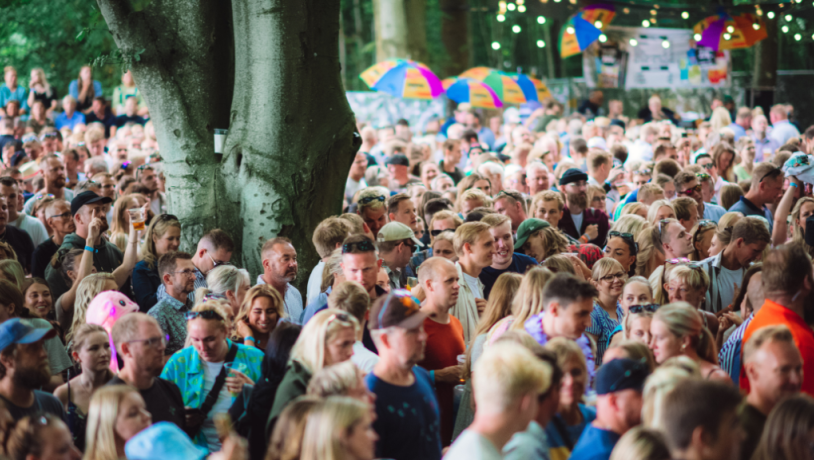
729 359
602 326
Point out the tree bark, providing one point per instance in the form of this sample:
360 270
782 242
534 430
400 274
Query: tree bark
416 16
391 29
455 35
766 51
266 69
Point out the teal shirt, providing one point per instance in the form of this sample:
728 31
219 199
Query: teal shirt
185 369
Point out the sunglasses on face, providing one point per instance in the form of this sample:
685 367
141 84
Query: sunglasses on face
650 308
709 166
690 191
613 276
363 246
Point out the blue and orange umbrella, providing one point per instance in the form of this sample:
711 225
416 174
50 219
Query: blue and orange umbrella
476 93
506 88
533 89
584 28
403 78
725 32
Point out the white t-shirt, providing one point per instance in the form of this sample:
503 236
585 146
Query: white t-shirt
224 402
364 359
577 218
474 286
472 446
314 283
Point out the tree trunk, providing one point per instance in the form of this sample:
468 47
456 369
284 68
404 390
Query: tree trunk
391 29
766 51
268 71
455 35
416 16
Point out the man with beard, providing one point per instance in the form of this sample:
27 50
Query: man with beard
178 275
58 216
577 219
53 171
24 367
445 335
16 238
85 208
279 270
505 259
146 176
31 225
140 344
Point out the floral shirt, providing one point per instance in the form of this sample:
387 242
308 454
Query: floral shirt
170 314
602 326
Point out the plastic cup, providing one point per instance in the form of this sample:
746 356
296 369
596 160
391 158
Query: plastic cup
229 367
137 218
461 359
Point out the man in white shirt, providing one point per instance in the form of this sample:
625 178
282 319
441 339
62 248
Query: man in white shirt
328 236
279 270
475 247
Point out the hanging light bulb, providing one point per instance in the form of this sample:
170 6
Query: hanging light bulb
697 37
511 7
645 23
516 29
634 42
685 15
785 29
788 18
798 37
603 38
521 8
570 30
540 44
598 24
652 12
756 26
540 19
501 18
727 36
730 29
770 15
495 46
520 2
665 44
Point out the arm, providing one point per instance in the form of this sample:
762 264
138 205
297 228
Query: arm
783 209
31 97
84 270
123 271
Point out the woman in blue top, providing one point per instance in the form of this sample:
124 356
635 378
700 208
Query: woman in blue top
84 89
573 416
609 277
163 235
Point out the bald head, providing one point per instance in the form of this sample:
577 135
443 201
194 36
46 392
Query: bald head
432 267
754 291
439 278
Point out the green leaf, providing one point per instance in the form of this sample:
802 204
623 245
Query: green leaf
81 34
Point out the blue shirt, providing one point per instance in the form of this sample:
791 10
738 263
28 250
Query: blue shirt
520 263
747 208
73 89
595 444
782 131
764 148
602 326
729 358
6 95
738 130
713 212
486 136
62 120
407 419
558 447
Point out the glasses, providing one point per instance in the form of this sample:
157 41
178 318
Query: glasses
362 246
154 342
772 172
206 314
690 191
60 216
613 276
167 217
621 235
46 196
214 297
678 260
435 233
370 199
217 263
708 166
342 317
187 272
649 308
703 176
643 172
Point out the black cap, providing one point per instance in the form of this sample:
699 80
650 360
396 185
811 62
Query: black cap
397 159
87 197
572 175
621 374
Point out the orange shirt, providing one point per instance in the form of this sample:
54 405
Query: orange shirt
444 343
773 314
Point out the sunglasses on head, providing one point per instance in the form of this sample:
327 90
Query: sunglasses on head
650 308
363 246
166 217
772 172
703 176
371 199
206 314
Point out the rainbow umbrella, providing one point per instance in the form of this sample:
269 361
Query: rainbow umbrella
403 78
577 35
475 92
725 32
533 89
600 14
502 83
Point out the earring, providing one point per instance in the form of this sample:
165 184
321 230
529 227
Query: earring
683 347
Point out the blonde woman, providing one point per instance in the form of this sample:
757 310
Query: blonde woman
86 291
227 282
639 209
343 379
803 209
658 384
720 118
678 330
689 283
573 416
12 271
259 314
641 444
339 428
162 236
629 223
636 293
651 252
120 221
117 413
286 439
91 351
526 303
210 355
41 91
724 232
660 210
609 277
326 339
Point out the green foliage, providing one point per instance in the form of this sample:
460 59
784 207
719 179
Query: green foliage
60 36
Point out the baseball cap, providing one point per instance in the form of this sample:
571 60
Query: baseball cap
621 374
163 440
20 331
394 231
397 159
597 143
526 228
572 175
87 197
395 309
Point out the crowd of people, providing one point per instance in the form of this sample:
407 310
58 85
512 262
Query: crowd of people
545 286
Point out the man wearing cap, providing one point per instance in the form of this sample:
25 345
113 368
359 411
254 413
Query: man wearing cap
396 243
87 208
53 171
399 168
407 416
505 258
577 218
16 238
619 385
372 208
526 243
24 367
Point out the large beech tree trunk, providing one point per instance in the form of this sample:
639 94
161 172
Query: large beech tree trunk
267 70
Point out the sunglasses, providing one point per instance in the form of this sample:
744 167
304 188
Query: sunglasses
206 314
613 276
342 317
214 297
370 199
773 172
703 176
166 217
709 166
690 191
435 233
621 235
363 246
643 172
46 197
650 308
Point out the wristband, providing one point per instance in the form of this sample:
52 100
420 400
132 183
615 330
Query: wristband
793 184
584 238
248 337
432 377
88 248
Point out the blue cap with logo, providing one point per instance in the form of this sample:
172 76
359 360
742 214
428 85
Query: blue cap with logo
20 331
